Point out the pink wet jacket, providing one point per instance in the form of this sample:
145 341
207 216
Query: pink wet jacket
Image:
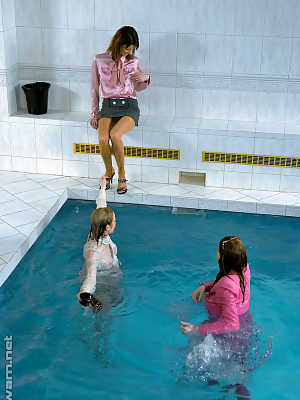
114 79
225 300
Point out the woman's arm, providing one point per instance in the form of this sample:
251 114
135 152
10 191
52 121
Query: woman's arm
101 199
202 288
207 285
140 79
95 90
228 319
89 283
88 287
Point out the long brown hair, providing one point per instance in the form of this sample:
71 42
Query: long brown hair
127 36
99 219
233 256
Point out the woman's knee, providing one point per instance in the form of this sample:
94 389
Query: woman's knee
115 136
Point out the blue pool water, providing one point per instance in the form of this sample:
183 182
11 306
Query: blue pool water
135 350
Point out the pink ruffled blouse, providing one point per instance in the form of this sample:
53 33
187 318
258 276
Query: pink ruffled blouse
225 300
114 79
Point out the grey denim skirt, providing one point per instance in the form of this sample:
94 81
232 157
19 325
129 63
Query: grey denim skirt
120 107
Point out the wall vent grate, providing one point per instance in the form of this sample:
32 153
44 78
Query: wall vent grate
131 151
251 159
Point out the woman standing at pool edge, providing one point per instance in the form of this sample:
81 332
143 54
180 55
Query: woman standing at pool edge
119 75
228 296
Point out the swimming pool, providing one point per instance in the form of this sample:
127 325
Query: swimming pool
136 351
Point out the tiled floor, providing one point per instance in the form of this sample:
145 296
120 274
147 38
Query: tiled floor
28 202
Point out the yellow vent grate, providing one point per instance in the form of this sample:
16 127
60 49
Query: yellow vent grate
130 151
251 159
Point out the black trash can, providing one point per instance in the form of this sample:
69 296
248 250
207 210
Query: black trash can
36 97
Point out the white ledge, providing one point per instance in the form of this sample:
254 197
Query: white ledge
170 124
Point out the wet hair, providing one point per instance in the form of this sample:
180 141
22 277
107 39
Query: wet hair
127 36
233 256
99 219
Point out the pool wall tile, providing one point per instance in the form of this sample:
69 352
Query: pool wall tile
156 200
92 194
185 202
245 207
213 204
111 196
293 211
11 243
271 209
77 193
129 198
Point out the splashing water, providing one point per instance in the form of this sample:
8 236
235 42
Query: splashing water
227 357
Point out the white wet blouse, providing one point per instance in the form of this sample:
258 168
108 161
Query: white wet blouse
100 258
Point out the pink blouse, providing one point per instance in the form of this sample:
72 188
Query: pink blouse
114 79
225 300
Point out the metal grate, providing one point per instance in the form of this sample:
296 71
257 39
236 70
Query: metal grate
130 151
251 159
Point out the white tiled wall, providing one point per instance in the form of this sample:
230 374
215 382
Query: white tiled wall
8 14
252 37
2 50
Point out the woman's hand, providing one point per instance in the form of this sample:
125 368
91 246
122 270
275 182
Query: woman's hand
188 329
94 123
88 300
197 294
138 77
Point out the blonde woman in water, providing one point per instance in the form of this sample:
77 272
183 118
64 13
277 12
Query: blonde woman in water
100 253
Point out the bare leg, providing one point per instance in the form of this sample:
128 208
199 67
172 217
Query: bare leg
124 125
104 126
